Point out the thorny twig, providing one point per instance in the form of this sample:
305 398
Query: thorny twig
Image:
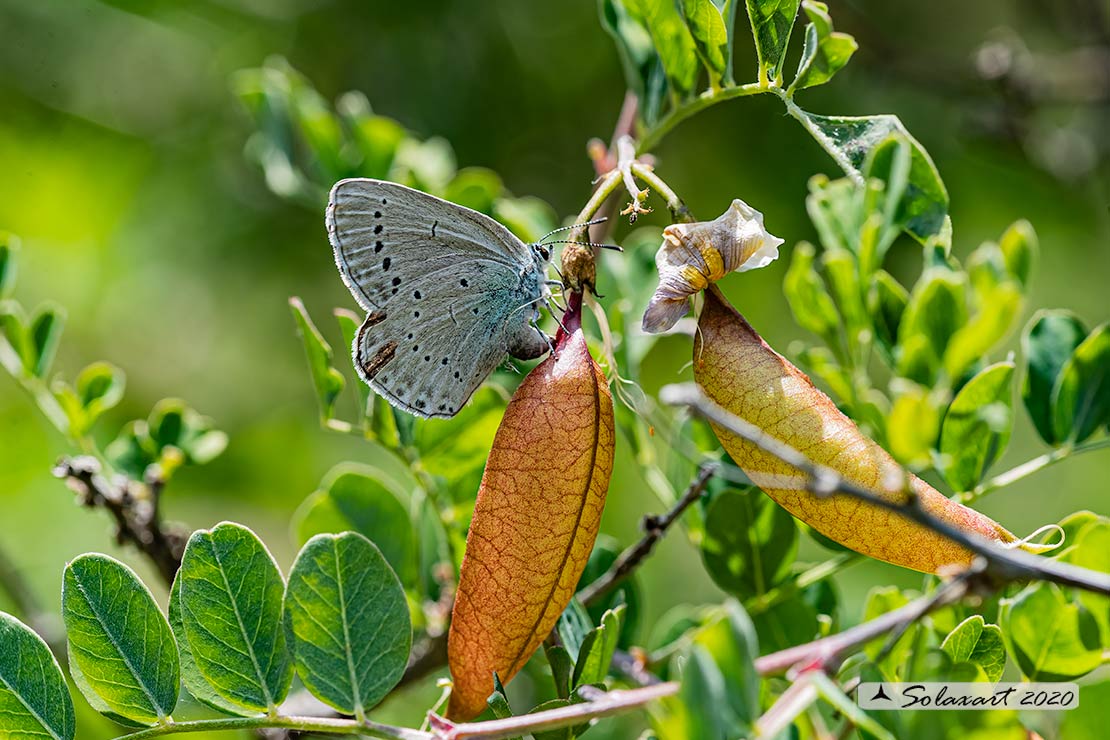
654 529
134 507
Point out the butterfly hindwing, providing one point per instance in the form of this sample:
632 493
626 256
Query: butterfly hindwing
447 290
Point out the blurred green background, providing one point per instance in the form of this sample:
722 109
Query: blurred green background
122 168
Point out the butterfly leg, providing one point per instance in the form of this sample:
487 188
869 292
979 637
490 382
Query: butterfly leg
529 341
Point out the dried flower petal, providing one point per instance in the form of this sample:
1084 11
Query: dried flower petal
693 256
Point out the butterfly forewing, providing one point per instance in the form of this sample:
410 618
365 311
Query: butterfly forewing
447 290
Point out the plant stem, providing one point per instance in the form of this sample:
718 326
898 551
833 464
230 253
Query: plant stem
818 572
327 725
821 137
678 209
707 99
1029 467
654 529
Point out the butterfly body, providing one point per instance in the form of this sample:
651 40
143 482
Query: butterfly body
448 293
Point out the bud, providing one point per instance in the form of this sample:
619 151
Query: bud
695 255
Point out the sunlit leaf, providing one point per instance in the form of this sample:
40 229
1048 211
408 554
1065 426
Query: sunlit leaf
121 652
475 187
34 698
375 137
772 22
9 251
825 52
1081 396
700 709
44 334
425 165
347 621
643 69
977 426
671 40
628 593
527 217
328 381
849 139
1048 342
357 499
975 642
937 309
880 600
1050 637
229 592
989 326
597 649
809 299
708 28
886 302
1019 247
732 642
913 424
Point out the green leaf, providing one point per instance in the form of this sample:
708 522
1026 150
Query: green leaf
701 708
597 649
328 381
34 698
562 668
643 70
1048 341
1081 398
197 687
880 600
132 451
825 52
849 140
671 40
971 342
349 323
425 165
460 457
732 642
375 137
9 250
348 622
1050 637
573 626
44 334
912 424
99 388
229 592
356 499
1019 247
1088 546
772 21
122 654
843 274
475 187
886 302
750 542
973 641
937 309
528 217
173 424
977 426
707 27
809 300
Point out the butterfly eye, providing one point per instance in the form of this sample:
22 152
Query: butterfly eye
543 252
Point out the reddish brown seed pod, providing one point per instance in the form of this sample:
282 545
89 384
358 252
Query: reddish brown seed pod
536 518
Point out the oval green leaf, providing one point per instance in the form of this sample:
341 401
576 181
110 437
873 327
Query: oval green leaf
34 698
121 651
977 426
1081 398
1051 637
825 51
772 21
1049 339
978 643
352 500
229 596
710 34
750 542
348 622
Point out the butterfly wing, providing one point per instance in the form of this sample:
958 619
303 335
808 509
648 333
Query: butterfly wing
447 290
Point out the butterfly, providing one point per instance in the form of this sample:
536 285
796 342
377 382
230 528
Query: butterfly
448 293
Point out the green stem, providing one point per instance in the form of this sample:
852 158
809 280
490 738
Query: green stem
680 113
678 209
299 724
1029 467
609 183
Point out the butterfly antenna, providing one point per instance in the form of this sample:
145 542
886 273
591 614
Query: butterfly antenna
572 226
614 247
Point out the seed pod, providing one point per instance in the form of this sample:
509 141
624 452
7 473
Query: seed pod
535 520
693 256
739 371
